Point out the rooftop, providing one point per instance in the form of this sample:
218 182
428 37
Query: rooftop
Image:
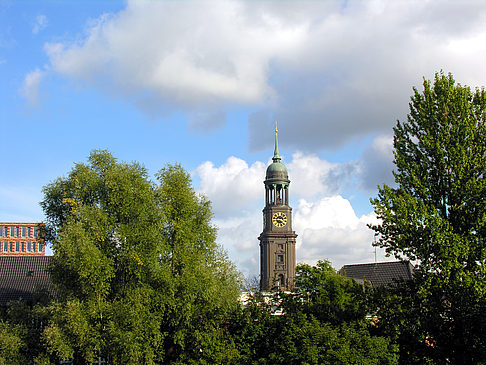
22 277
379 273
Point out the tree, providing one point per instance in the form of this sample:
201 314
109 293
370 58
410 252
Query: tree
323 322
436 215
11 343
138 273
328 296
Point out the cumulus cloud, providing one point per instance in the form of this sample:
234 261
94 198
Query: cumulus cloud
232 187
235 187
168 51
328 71
39 24
329 229
312 175
239 236
353 74
30 87
325 221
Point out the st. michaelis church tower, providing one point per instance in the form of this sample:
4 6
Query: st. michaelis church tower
277 241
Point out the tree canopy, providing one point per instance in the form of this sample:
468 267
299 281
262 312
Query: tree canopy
139 275
322 322
436 216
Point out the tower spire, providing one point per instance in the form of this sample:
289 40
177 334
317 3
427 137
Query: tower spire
276 156
277 240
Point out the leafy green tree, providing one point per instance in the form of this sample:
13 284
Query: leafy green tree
328 296
204 282
436 216
400 311
21 330
139 275
11 343
302 339
252 329
322 322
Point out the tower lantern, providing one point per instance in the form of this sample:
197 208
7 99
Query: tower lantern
277 241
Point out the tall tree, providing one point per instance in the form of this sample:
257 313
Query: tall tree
436 216
136 265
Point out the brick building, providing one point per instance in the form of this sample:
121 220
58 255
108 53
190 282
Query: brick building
21 239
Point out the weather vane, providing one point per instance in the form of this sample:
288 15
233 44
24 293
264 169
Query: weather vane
276 130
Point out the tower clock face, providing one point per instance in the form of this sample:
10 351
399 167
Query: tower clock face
279 219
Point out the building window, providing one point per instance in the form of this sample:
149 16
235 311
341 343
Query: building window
18 231
280 258
23 246
17 246
12 231
29 246
5 231
280 246
35 232
11 246
1 231
33 246
24 231
5 246
29 231
281 280
40 247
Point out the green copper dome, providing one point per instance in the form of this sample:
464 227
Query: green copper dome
276 170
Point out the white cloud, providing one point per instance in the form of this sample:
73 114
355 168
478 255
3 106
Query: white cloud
30 87
326 223
312 175
40 23
179 56
329 229
329 71
239 236
232 187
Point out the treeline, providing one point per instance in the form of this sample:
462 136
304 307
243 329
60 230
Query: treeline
140 279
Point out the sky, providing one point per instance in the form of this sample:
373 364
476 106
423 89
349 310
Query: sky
202 83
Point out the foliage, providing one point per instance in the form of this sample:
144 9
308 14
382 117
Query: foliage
20 334
436 216
328 296
322 323
400 313
138 271
11 343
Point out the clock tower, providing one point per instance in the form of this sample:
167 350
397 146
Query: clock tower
277 241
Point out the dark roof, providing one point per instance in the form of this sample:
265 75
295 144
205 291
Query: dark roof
22 277
379 273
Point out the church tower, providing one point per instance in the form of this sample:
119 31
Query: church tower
277 241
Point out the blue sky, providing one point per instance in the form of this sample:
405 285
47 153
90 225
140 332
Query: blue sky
202 82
